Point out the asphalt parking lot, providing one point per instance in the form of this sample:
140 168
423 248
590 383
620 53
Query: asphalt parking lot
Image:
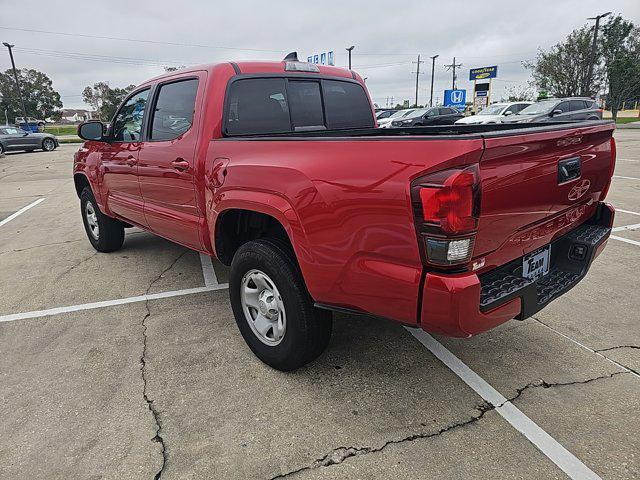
129 365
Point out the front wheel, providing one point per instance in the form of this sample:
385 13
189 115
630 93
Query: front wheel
272 307
106 234
48 145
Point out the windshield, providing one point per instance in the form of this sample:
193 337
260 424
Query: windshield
418 112
401 113
493 109
540 107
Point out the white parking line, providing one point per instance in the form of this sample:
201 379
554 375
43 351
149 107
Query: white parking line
628 178
21 211
109 303
544 442
627 211
625 240
208 273
635 226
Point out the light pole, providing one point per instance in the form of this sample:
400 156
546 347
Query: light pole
433 67
349 50
594 47
15 75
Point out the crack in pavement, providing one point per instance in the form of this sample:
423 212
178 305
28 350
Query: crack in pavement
40 246
143 363
76 265
619 346
340 454
597 352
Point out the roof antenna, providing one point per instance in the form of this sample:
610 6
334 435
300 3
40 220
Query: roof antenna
291 57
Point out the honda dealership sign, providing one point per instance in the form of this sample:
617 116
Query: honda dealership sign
455 98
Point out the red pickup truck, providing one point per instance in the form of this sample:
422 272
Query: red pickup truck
278 170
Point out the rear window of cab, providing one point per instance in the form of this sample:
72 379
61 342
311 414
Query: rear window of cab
259 106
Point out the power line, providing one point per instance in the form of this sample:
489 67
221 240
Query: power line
138 40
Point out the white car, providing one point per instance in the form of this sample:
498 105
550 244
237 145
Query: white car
494 113
386 122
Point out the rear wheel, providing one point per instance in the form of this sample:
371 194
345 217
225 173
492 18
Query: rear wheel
1 149
106 234
48 144
272 307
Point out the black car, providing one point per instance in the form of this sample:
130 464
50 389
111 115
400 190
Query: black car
14 138
572 109
429 116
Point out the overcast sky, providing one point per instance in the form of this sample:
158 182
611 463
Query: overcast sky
387 37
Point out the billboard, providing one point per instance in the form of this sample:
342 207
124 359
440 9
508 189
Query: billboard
324 58
482 73
455 98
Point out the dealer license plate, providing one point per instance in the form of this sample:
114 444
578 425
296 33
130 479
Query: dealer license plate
536 264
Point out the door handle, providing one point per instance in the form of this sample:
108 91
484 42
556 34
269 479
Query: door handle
131 160
180 164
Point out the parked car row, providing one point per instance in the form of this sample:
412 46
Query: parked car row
420 117
14 138
550 110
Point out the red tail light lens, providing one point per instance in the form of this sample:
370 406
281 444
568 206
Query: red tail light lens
450 199
446 208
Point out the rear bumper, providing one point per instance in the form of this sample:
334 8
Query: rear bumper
465 304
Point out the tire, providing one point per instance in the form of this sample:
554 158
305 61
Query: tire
106 234
48 145
307 330
1 149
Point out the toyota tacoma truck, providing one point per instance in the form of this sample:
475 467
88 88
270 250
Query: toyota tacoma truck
277 170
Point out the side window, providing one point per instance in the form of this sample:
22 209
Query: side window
257 105
521 106
564 106
346 105
513 109
576 105
173 113
127 124
305 103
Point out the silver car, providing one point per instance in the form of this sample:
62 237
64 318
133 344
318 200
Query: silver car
14 138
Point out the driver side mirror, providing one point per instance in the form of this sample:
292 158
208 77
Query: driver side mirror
93 131
557 111
507 113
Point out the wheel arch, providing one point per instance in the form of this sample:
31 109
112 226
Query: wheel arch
80 182
238 219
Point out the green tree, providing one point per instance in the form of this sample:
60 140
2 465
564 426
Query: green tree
104 99
620 46
564 68
40 98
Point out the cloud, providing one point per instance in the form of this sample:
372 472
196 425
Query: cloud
387 37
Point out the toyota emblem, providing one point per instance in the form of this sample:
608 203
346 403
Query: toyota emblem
579 190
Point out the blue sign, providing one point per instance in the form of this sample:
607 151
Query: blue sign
483 73
482 93
325 58
455 98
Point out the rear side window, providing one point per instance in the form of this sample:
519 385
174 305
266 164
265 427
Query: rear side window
577 105
305 103
346 105
258 105
173 114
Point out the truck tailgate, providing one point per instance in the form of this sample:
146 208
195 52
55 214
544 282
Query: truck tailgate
537 186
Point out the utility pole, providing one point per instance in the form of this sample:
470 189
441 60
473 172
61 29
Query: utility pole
350 49
594 47
15 75
453 67
433 67
417 76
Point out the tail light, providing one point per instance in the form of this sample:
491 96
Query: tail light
446 207
612 167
